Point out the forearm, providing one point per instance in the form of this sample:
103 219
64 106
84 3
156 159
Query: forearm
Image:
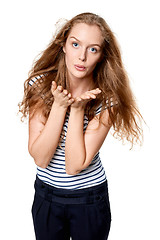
45 145
75 152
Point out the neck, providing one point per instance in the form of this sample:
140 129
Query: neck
80 85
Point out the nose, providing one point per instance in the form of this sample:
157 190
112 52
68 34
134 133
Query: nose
82 55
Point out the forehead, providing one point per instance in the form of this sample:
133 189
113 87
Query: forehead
85 32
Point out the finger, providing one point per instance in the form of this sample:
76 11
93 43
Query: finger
78 99
85 96
65 92
90 95
60 88
95 91
70 101
54 85
69 95
98 91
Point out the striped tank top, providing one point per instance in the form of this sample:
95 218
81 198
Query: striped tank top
55 174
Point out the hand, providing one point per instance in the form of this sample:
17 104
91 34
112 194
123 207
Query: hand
61 96
81 101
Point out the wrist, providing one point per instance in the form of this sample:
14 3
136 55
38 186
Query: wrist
59 107
77 109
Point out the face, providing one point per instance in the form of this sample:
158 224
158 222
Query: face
83 49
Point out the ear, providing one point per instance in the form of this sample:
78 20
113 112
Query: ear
64 49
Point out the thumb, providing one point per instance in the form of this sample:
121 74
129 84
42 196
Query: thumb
54 86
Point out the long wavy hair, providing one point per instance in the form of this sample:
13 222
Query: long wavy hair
109 75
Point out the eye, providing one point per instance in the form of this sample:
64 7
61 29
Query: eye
93 50
75 45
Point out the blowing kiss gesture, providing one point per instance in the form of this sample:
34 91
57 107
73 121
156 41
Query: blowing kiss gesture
64 99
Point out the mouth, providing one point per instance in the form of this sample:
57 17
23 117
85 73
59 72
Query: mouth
80 67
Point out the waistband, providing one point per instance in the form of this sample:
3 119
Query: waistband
69 196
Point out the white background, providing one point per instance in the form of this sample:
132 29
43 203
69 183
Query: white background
133 176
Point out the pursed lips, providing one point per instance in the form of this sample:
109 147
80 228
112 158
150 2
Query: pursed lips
80 67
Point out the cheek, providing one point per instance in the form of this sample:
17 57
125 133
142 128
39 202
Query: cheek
67 57
94 62
70 55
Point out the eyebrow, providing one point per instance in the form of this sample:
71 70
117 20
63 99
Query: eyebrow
93 44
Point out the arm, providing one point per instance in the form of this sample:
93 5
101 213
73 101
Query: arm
44 135
43 138
81 148
75 151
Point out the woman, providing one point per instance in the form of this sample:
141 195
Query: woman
76 91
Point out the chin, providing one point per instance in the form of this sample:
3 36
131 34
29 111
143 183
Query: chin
78 74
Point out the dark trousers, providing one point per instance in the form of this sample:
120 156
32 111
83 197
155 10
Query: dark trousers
59 214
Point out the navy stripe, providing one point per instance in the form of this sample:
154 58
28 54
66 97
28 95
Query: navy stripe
89 182
71 177
70 186
52 166
65 172
97 182
59 164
